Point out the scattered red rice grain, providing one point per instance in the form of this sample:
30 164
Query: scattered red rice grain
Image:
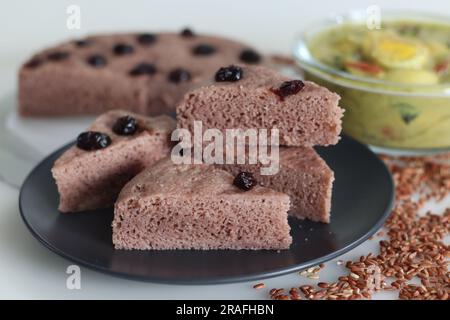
259 286
414 248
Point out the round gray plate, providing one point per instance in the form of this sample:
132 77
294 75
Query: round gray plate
362 199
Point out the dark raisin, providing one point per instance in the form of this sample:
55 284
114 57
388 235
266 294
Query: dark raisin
58 55
143 68
33 63
97 61
146 38
125 126
245 181
187 33
231 73
92 140
122 49
82 43
179 75
203 49
250 56
288 88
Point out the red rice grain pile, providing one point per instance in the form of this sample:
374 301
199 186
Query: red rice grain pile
415 248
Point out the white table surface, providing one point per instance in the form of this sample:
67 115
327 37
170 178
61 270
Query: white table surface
27 269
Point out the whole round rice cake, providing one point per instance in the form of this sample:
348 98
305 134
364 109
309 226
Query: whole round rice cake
146 73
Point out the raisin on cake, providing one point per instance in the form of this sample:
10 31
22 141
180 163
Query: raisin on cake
247 97
118 145
303 175
169 206
148 73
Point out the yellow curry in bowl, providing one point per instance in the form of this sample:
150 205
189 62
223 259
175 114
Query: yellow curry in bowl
394 81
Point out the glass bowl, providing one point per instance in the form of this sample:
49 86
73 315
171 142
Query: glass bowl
388 116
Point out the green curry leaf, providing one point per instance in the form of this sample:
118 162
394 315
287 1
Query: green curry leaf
407 112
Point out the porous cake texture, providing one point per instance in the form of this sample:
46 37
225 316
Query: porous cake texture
170 206
302 175
89 180
308 117
144 73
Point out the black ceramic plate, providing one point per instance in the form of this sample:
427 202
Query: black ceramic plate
362 199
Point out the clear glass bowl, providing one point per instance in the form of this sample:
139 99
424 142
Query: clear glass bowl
375 109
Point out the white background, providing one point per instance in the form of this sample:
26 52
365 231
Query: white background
27 270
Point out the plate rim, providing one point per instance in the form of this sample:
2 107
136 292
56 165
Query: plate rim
219 279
